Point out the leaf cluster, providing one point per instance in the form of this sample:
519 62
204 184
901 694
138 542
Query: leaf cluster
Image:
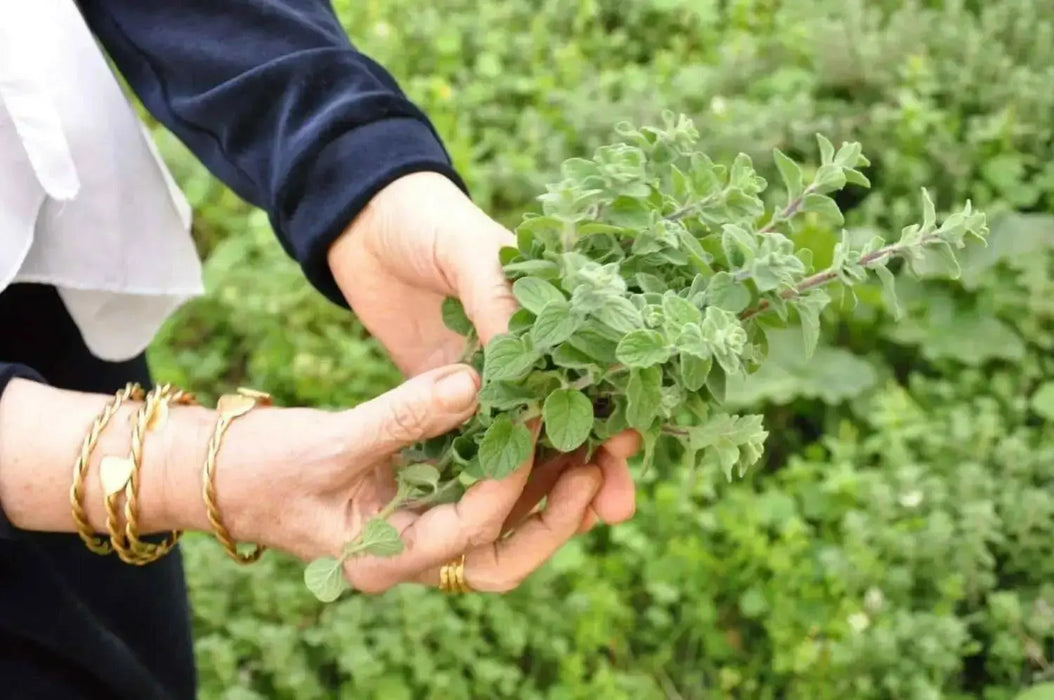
649 278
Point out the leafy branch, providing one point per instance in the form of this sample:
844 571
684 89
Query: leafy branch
640 285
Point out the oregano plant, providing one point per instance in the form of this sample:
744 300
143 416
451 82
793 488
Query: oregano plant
649 277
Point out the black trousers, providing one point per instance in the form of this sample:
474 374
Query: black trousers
74 624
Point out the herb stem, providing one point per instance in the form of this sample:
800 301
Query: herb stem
687 209
788 211
828 275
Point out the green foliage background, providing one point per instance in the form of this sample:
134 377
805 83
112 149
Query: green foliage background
899 540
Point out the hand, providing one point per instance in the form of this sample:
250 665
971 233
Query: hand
305 481
418 241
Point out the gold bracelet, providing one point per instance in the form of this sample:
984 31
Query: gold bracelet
229 407
98 545
121 475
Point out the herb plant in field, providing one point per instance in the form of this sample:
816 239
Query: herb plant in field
650 276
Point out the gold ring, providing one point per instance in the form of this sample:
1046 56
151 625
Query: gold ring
452 577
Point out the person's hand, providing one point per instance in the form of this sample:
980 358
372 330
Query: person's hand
418 241
305 481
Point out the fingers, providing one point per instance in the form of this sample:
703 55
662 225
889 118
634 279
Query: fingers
540 482
623 445
427 405
616 500
444 531
471 263
503 565
588 521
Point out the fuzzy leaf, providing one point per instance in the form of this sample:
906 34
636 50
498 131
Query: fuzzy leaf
534 293
420 474
554 325
506 357
642 348
620 314
324 577
791 174
725 293
644 394
694 371
889 290
810 306
825 207
568 415
454 317
505 446
380 539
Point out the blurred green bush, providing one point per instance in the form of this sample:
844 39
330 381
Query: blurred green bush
898 543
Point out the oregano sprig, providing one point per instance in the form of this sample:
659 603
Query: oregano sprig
647 279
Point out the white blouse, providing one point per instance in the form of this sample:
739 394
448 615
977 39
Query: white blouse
86 203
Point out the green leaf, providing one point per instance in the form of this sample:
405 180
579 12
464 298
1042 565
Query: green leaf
694 371
568 416
544 269
380 539
725 293
810 306
736 441
941 256
629 212
508 254
454 317
644 395
505 446
825 207
889 290
791 174
555 324
651 283
570 357
1043 401
826 149
829 178
715 383
620 314
642 348
690 340
594 345
324 577
420 474
929 212
506 357
534 293
678 311
503 396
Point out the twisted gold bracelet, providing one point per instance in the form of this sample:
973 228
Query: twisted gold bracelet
120 475
230 407
98 545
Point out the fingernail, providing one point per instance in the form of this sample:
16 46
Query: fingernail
457 391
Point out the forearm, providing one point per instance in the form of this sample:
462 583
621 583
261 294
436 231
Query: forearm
41 431
276 102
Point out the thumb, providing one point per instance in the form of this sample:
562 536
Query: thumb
481 284
425 406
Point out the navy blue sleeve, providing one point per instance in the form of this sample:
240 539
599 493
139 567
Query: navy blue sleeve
9 371
274 99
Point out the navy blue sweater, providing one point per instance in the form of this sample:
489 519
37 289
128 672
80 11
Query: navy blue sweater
277 103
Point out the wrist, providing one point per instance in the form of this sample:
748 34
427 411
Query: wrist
177 491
